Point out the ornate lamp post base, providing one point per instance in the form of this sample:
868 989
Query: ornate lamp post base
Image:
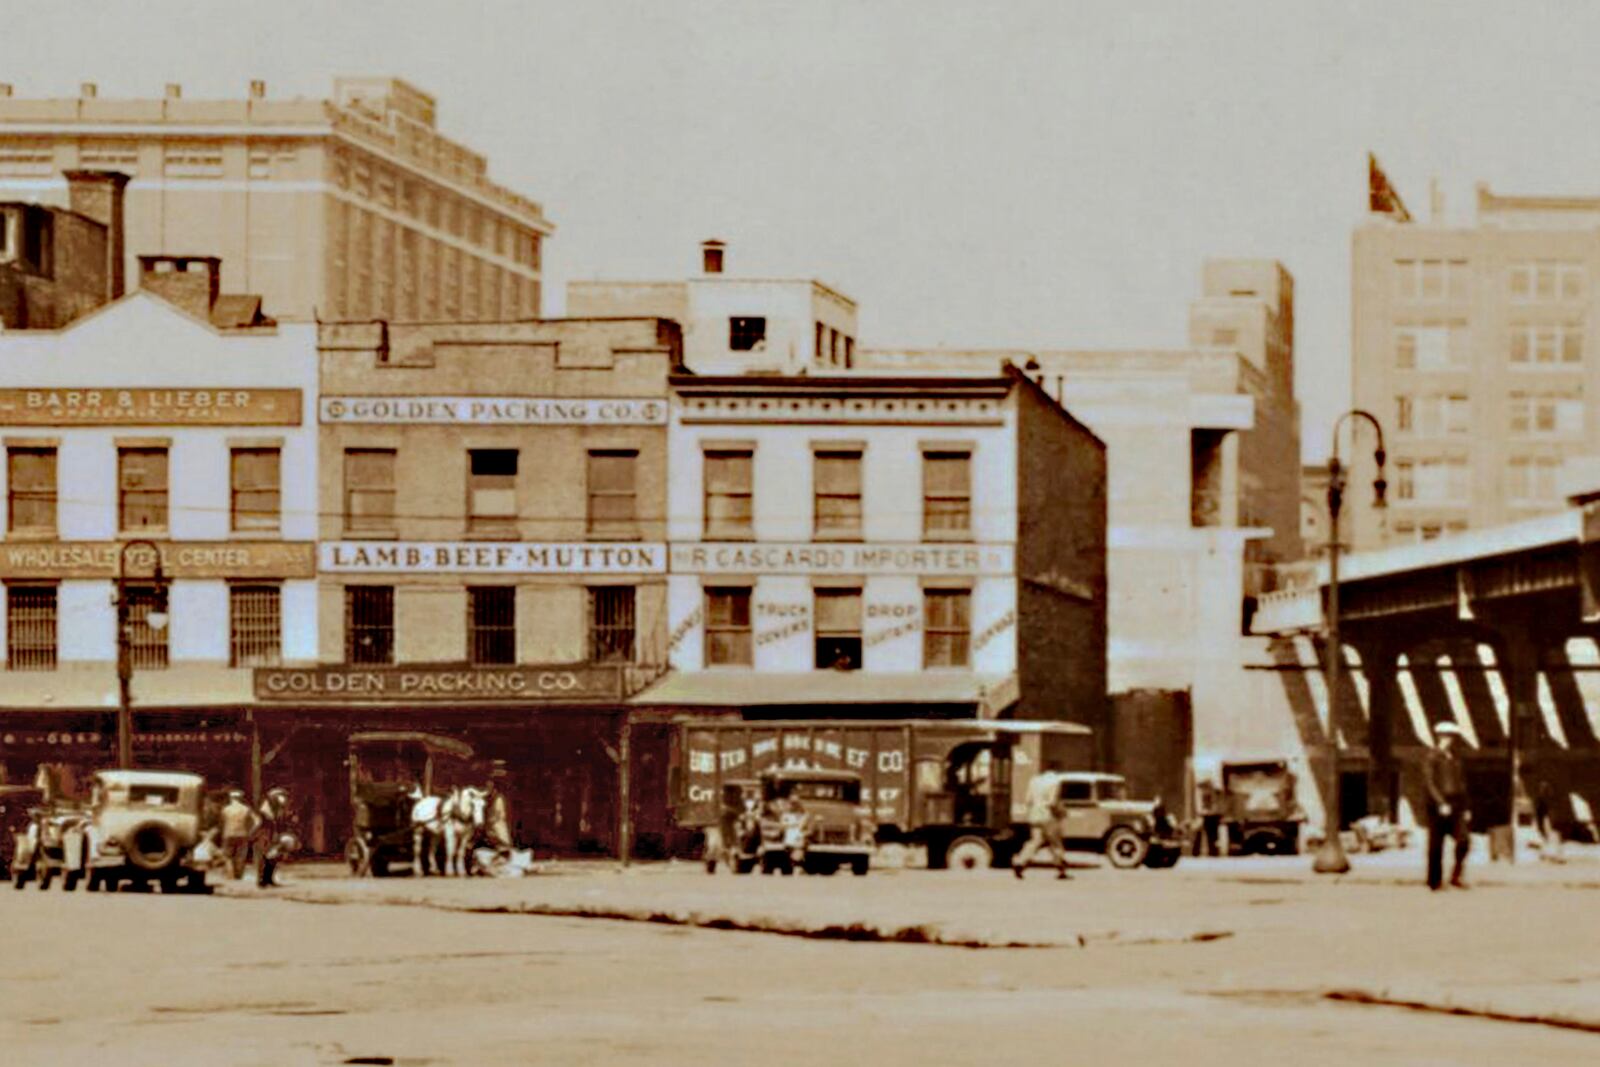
1330 858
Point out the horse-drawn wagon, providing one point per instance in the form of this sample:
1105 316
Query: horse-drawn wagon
395 779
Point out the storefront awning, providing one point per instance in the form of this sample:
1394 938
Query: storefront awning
773 688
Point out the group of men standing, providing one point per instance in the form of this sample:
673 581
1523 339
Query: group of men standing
268 827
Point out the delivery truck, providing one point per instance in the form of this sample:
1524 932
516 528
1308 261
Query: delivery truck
956 787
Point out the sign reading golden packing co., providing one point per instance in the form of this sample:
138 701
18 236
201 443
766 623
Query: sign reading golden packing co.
178 406
434 682
496 410
179 559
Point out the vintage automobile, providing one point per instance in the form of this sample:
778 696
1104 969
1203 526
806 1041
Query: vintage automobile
813 820
1101 818
54 841
16 816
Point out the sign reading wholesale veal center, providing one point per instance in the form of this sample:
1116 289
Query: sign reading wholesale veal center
493 557
179 559
433 682
868 558
495 410
178 406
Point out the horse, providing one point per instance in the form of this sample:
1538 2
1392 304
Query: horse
462 815
426 827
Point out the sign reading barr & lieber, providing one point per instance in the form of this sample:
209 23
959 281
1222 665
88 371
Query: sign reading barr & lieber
492 557
495 410
130 406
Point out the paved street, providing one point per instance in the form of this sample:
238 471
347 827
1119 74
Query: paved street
1140 967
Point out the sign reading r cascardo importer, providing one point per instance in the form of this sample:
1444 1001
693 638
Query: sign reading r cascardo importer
438 683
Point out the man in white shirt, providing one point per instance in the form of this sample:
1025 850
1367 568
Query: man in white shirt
1044 822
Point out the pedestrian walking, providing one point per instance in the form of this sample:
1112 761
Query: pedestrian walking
1045 812
1447 806
238 822
276 834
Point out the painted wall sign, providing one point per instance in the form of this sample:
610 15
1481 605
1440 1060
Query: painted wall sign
869 558
179 559
430 683
177 406
492 557
494 410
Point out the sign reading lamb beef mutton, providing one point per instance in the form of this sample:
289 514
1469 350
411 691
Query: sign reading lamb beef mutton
493 557
435 683
494 410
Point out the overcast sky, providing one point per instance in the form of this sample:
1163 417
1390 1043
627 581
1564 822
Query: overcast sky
979 174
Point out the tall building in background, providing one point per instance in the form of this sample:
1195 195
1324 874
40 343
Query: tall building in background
352 207
1469 344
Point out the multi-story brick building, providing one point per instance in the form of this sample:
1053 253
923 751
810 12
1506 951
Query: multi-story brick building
1471 344
351 207
492 562
144 440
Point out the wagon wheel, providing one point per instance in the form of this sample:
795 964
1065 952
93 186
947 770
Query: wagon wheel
359 856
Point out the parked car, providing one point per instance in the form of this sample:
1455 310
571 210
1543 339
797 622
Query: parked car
16 816
1101 818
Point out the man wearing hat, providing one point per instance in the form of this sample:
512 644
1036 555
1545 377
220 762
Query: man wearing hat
238 822
277 833
1447 804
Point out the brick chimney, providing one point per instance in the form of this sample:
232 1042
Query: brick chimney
191 282
98 195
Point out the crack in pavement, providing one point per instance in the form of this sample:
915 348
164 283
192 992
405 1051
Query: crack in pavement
1362 997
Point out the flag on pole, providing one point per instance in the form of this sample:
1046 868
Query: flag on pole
1381 196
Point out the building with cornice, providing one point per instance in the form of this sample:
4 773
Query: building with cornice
350 207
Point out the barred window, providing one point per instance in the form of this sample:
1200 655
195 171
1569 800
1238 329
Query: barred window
729 494
147 644
728 638
946 494
838 620
31 489
611 624
369 490
946 627
611 492
369 624
142 482
257 625
256 488
30 627
838 494
492 623
492 490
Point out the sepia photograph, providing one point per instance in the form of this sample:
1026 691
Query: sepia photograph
815 532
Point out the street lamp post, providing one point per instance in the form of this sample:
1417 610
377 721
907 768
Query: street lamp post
156 619
1330 858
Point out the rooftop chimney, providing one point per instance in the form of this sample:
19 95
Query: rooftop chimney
711 256
88 90
98 195
174 91
191 282
258 89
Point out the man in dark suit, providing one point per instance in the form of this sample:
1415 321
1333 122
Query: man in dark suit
1447 805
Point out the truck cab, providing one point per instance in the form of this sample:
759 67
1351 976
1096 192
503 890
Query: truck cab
814 820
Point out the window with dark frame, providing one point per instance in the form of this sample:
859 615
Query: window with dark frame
256 496
369 624
142 489
369 490
729 642
611 624
147 646
838 636
31 489
946 494
31 627
837 482
745 332
255 614
729 489
492 624
612 504
492 490
946 627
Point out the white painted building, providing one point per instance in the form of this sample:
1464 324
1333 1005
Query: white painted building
141 422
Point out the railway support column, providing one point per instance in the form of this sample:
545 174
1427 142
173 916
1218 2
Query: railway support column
1380 660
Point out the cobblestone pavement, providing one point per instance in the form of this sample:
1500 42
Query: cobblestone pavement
1140 966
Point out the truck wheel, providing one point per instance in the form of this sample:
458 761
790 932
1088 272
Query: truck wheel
1125 848
860 865
969 853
